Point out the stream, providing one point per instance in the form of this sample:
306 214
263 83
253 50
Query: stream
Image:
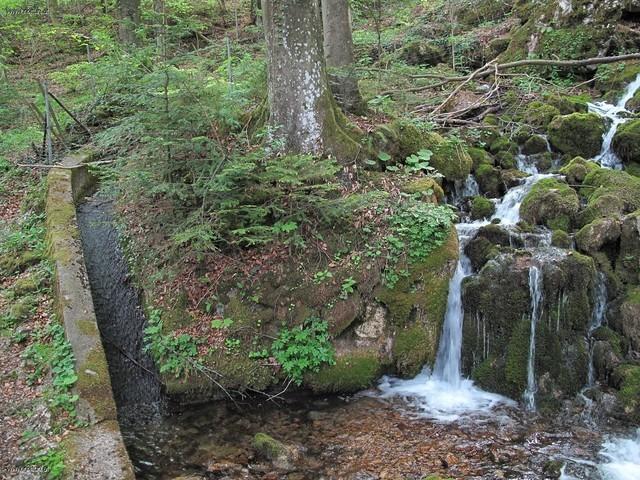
436 423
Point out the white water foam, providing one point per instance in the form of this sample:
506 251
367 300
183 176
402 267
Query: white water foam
618 115
622 458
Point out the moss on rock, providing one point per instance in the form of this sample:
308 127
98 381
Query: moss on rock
626 142
503 144
602 181
560 239
567 104
577 169
627 380
539 115
551 203
351 373
419 52
577 134
450 157
599 233
268 446
417 305
481 207
490 181
427 187
535 144
480 156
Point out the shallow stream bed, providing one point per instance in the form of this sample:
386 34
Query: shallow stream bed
361 437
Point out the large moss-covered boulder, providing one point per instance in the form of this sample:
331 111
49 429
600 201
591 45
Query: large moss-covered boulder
398 139
620 184
490 181
480 156
626 142
450 156
577 169
630 318
552 203
577 134
416 305
626 378
539 115
481 207
628 260
567 104
486 245
419 52
598 234
534 144
605 206
497 324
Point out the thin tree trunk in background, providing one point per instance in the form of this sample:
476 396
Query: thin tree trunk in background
129 20
161 24
338 50
303 115
253 12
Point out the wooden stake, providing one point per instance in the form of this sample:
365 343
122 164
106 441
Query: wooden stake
70 114
44 88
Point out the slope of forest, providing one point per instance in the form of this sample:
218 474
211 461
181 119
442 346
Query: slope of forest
296 191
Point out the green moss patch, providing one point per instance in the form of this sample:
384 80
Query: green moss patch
351 373
551 203
577 134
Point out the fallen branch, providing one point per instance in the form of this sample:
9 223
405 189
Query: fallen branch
491 69
64 167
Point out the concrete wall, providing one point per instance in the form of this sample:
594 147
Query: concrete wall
96 451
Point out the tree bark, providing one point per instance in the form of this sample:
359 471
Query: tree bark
338 50
303 115
129 19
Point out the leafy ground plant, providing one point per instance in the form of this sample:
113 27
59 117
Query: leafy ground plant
304 348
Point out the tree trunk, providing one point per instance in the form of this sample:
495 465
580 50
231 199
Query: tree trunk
160 21
338 50
129 20
303 115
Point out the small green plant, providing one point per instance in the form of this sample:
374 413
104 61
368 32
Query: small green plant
53 461
422 227
347 287
221 323
419 162
304 348
51 352
321 277
232 344
173 354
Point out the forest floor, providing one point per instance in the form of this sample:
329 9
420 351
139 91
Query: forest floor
21 400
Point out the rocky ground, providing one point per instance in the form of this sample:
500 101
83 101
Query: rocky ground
363 438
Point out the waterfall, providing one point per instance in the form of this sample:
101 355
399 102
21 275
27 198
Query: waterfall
466 189
616 115
597 319
447 367
444 394
535 290
508 210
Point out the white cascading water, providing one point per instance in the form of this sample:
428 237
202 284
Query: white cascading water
622 458
444 395
617 114
597 319
508 210
535 291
